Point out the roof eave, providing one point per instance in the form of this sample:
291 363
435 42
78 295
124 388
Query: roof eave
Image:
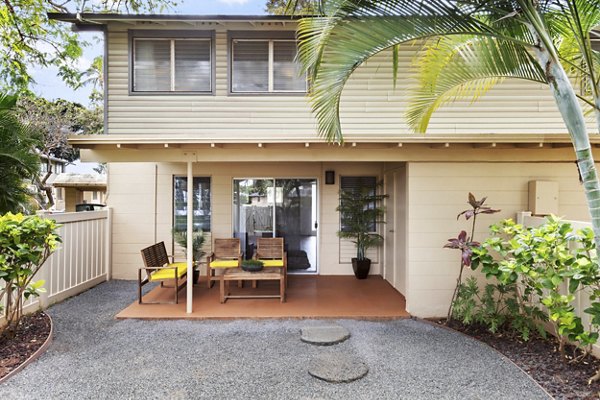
103 18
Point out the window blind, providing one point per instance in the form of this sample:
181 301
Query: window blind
250 66
166 65
152 65
192 65
356 184
286 72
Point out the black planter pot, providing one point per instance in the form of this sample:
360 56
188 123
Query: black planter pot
196 277
361 268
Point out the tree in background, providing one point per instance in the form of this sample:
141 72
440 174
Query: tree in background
29 38
18 163
94 76
54 121
287 7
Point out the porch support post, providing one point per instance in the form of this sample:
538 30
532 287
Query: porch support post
190 228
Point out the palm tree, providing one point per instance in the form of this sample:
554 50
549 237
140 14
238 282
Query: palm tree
94 76
18 163
520 32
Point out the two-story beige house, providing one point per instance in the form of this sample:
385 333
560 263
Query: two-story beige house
219 99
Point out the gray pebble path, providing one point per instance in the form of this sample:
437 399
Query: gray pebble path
94 356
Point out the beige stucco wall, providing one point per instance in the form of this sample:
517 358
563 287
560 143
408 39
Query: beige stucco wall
437 192
141 195
371 108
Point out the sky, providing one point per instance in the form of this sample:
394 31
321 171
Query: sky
50 86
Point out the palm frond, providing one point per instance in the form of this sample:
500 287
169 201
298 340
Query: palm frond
464 67
332 47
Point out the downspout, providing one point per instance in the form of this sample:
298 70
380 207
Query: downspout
190 225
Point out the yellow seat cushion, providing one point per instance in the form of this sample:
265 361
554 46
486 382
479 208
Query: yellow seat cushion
224 264
168 273
272 263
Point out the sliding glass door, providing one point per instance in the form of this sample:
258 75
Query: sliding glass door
278 208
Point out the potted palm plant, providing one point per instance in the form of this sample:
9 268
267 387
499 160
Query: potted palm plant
361 211
198 239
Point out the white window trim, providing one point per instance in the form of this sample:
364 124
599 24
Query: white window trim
271 72
172 66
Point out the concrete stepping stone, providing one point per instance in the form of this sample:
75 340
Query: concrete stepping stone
324 335
337 368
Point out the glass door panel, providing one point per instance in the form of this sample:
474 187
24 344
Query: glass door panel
252 212
296 221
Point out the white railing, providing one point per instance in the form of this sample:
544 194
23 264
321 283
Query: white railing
582 298
82 259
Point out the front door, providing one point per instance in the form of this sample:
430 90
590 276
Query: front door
278 208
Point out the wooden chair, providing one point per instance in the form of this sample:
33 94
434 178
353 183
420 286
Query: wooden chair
271 252
159 269
226 254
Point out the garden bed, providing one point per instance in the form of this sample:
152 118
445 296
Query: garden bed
33 332
540 359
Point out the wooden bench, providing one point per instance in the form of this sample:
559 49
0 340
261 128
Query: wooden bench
159 269
266 274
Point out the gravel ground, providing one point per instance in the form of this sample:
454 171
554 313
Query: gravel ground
94 356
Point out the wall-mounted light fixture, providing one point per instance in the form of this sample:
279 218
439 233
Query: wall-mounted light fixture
330 177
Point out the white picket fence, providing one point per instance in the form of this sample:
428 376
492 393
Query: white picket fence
82 259
581 301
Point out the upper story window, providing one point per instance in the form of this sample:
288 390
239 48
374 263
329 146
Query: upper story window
172 62
260 64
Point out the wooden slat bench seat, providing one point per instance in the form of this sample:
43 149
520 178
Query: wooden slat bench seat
159 269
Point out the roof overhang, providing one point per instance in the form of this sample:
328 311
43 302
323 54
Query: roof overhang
87 21
81 181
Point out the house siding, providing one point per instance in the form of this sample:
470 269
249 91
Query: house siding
437 192
434 179
371 108
142 213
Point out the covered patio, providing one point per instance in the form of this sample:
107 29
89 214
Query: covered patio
307 296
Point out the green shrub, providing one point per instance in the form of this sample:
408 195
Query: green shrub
496 307
542 268
26 242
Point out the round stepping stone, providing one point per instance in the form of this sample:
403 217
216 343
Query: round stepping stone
324 335
337 368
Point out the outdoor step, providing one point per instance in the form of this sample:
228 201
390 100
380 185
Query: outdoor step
324 335
337 367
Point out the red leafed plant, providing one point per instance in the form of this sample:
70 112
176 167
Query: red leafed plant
465 243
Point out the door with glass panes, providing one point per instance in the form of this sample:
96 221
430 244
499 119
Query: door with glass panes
266 207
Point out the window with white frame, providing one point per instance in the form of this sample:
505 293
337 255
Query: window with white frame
172 65
265 66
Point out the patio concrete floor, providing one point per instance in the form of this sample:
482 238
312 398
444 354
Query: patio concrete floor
308 296
95 356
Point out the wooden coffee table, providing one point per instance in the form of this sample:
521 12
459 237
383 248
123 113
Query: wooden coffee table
266 274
